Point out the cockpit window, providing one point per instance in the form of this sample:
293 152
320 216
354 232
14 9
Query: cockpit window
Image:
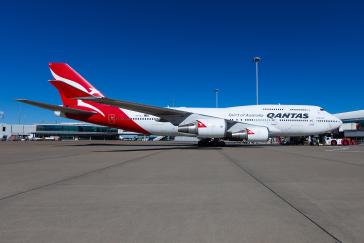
321 109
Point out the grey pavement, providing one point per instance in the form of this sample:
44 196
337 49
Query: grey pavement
172 192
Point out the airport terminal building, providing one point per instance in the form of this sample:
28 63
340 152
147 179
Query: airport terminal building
69 131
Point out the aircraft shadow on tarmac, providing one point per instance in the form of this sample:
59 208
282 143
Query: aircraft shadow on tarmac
131 145
164 145
158 147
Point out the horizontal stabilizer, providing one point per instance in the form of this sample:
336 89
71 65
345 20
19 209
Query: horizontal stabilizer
65 110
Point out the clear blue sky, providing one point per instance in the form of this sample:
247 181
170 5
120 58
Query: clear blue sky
165 52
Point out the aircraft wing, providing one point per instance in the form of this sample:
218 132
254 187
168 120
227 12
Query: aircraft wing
176 117
148 109
67 110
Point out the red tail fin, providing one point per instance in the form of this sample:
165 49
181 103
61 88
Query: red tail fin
68 80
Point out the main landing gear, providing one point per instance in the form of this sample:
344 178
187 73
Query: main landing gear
208 142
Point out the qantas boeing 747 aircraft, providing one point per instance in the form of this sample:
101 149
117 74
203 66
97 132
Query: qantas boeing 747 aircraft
83 102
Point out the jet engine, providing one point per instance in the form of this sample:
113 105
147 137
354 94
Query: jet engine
205 128
252 134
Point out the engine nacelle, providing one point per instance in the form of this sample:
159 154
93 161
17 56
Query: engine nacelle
255 134
211 128
190 128
205 128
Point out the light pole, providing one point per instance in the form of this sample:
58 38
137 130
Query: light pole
257 60
217 98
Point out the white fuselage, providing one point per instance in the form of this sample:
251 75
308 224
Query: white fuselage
281 120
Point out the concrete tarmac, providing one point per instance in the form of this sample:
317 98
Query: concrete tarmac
104 191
